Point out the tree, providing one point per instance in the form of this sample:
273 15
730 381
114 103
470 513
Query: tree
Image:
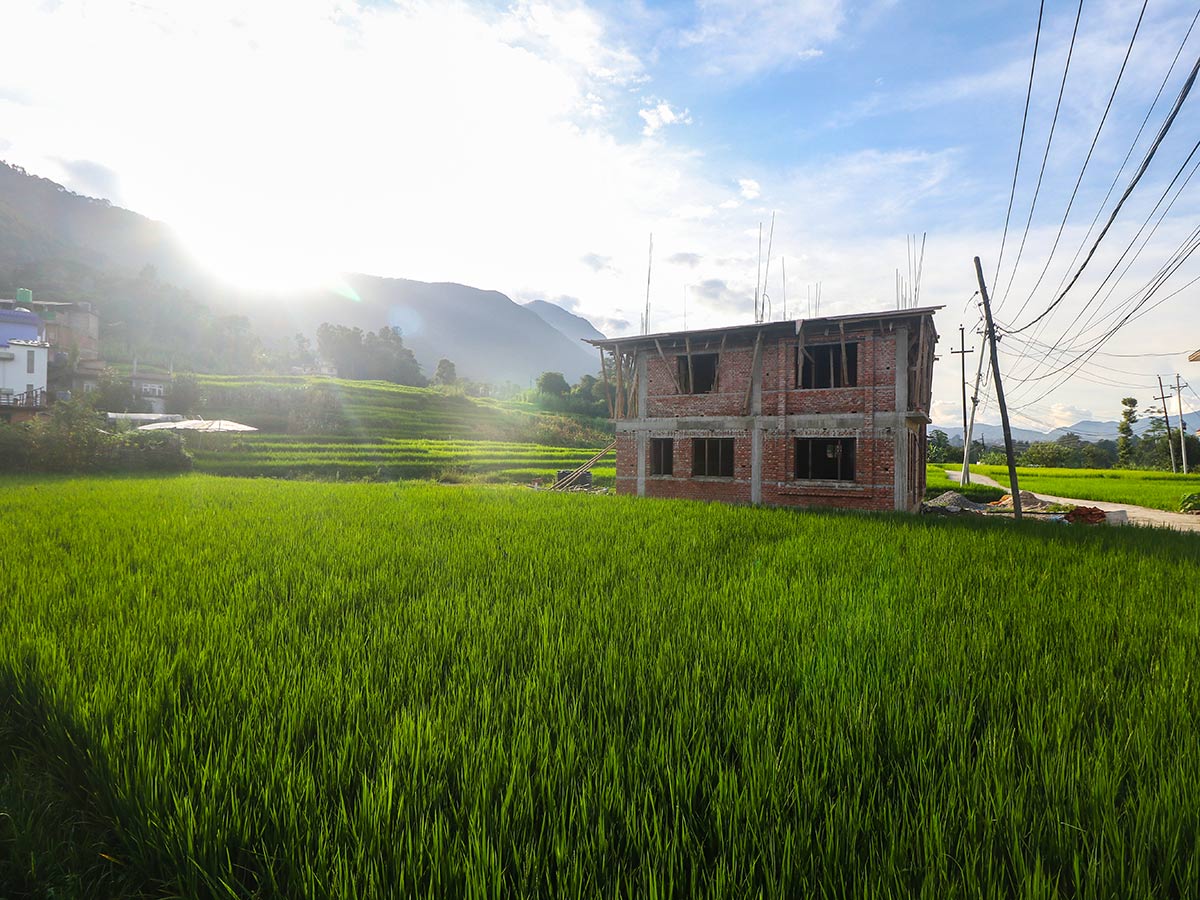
940 450
70 438
115 394
553 384
304 352
1125 432
374 356
445 374
184 395
1047 454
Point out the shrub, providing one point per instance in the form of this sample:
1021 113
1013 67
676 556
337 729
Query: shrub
1190 502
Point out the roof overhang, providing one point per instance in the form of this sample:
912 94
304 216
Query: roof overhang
1195 357
788 327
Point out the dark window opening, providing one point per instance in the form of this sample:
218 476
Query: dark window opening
704 370
662 456
712 457
825 459
823 366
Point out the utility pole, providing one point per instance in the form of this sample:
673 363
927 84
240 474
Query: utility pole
966 469
1167 418
962 342
1008 443
1182 433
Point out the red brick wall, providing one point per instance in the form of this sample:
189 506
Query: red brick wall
874 484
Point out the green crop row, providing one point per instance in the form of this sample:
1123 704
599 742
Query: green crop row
219 687
286 456
1153 489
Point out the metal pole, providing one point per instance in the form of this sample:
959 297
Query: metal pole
962 354
1167 419
1182 434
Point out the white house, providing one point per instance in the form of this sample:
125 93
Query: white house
22 377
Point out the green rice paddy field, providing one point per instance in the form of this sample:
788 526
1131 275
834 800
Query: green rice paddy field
1154 489
216 687
335 458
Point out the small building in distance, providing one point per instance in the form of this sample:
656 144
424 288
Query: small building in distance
150 385
828 412
24 357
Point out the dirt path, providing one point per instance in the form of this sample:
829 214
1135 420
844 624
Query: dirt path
1138 515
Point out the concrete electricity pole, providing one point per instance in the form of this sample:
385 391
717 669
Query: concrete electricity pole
1167 418
1182 433
1008 442
962 343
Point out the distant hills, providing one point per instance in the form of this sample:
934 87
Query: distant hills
69 247
1088 429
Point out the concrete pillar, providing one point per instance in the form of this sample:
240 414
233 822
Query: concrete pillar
756 454
900 438
756 426
640 443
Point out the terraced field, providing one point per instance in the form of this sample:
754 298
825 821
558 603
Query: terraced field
376 409
335 458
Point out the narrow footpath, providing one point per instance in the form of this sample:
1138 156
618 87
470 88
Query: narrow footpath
1138 515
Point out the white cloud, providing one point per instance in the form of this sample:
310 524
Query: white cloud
749 189
743 38
659 114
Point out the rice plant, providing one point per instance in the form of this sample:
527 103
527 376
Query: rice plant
217 687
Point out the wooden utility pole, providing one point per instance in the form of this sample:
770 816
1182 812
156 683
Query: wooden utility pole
962 353
1182 433
1008 443
1167 418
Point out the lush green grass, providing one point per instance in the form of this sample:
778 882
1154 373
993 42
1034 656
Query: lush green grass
336 458
377 409
937 482
1156 490
224 687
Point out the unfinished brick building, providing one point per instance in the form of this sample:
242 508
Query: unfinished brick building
819 412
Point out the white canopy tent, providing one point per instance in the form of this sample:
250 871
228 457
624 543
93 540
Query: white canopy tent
208 426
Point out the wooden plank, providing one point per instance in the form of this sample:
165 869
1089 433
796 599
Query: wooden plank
670 369
574 476
919 368
687 343
801 356
604 372
720 356
753 366
620 384
845 365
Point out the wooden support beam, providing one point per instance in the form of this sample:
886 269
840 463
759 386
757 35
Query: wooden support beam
670 369
634 412
570 480
920 370
604 372
845 365
753 366
687 343
720 356
801 356
620 361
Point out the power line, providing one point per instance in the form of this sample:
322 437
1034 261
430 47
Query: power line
1095 139
1124 162
1037 38
1045 156
1166 127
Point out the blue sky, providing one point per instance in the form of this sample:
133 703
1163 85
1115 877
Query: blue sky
532 146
